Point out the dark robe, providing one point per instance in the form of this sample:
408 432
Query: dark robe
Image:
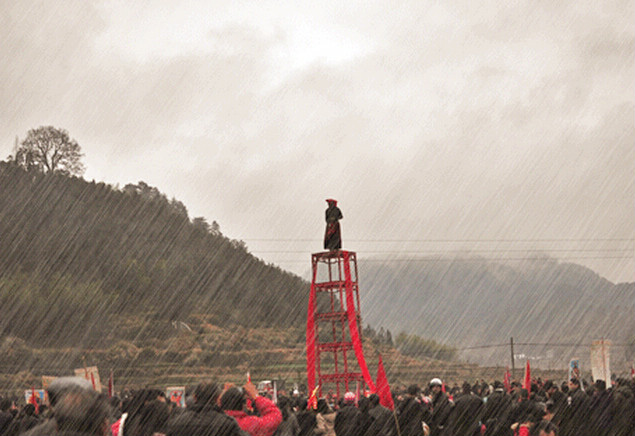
495 414
333 236
412 413
576 415
465 416
347 421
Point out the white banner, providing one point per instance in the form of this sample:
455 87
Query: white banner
600 354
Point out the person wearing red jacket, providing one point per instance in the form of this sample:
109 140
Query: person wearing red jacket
269 416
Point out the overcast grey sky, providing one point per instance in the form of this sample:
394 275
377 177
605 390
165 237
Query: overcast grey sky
439 126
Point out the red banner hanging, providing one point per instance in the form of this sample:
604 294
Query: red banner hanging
352 323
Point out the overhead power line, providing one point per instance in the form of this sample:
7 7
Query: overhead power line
469 259
541 344
447 240
601 250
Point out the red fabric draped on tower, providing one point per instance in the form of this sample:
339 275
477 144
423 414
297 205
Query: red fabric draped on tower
352 325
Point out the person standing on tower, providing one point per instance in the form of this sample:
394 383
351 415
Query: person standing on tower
333 236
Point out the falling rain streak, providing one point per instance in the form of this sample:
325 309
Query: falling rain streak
163 171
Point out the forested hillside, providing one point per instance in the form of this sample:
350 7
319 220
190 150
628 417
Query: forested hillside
74 254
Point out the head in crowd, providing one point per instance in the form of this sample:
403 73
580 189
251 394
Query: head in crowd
534 388
301 403
549 386
600 385
413 390
564 387
148 420
147 413
323 407
43 410
284 404
550 410
5 404
62 384
141 397
499 386
232 399
363 404
374 400
466 388
621 382
530 412
29 409
82 411
546 428
485 388
436 385
206 394
189 396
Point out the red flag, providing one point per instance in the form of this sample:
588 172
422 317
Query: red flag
33 400
527 380
443 387
633 371
383 388
111 385
312 403
92 380
507 381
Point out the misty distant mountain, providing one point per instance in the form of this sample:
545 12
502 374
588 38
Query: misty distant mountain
473 302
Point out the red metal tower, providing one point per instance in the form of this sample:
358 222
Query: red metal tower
335 330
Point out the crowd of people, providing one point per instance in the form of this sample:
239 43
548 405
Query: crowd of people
573 408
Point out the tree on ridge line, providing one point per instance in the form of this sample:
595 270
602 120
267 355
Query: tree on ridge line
49 149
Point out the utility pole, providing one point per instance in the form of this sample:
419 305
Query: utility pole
511 343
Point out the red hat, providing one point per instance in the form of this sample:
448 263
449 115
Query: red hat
330 200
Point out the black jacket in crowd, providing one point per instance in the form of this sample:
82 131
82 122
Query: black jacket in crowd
624 411
203 421
382 417
465 417
496 414
347 421
601 415
411 414
441 409
575 419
